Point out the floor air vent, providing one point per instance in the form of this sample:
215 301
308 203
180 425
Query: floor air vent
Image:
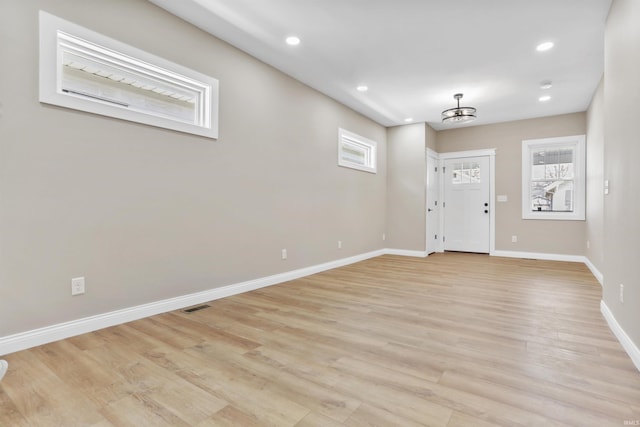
192 309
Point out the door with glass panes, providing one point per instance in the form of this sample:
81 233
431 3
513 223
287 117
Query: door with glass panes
466 204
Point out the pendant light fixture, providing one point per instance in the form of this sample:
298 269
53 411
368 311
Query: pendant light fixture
458 114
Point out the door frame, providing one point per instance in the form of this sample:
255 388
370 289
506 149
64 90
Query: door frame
431 154
491 153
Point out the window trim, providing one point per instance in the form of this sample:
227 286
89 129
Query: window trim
346 139
152 76
578 143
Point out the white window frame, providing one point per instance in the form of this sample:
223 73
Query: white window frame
577 142
351 141
165 94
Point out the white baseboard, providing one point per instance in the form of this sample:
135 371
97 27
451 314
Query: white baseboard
632 350
24 340
404 252
539 255
599 276
554 257
28 339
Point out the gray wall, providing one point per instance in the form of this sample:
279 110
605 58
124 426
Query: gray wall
595 179
554 237
431 137
406 196
146 213
621 154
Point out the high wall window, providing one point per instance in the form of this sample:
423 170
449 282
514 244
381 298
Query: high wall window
356 152
553 178
87 71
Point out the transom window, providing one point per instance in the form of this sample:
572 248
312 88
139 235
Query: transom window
553 178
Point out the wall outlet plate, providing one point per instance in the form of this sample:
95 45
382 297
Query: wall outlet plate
77 286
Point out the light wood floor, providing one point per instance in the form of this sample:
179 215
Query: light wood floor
450 340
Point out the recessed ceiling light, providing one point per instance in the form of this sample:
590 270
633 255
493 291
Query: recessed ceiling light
544 98
408 119
362 88
546 85
293 41
544 46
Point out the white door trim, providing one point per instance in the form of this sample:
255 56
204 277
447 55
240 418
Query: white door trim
436 158
470 153
491 153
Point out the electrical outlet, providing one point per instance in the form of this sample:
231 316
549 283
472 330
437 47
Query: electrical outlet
284 254
339 244
621 293
77 286
588 244
514 239
384 237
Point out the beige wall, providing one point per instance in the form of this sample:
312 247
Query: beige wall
552 237
621 154
406 197
431 138
146 213
595 179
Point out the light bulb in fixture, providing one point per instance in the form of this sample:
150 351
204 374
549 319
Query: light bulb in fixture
293 41
458 114
542 47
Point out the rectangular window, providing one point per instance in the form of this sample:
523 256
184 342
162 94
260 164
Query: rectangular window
553 178
87 71
466 173
356 152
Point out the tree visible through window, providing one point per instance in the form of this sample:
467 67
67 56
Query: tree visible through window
553 178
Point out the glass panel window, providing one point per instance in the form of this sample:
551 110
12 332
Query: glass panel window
554 196
465 173
84 70
553 179
356 152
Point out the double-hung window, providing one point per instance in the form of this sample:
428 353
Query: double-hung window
553 178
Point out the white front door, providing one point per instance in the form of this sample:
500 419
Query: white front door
466 204
433 208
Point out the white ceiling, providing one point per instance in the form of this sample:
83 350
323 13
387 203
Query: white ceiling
415 54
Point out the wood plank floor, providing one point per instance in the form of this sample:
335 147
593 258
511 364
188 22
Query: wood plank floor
450 340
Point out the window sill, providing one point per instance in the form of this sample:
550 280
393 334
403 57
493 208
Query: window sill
554 216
